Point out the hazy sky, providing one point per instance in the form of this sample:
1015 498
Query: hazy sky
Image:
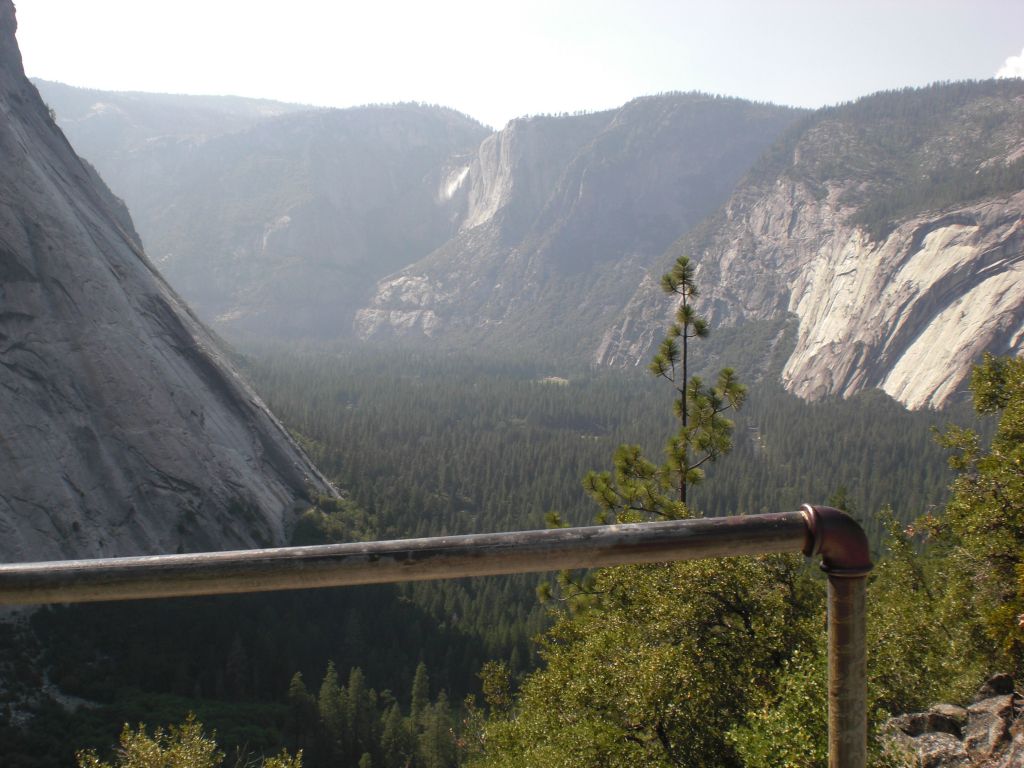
498 61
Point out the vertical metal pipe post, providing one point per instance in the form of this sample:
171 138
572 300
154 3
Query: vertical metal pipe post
846 558
847 672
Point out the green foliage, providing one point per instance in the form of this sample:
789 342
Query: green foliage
184 746
639 489
331 521
398 739
790 730
354 726
638 679
944 601
496 683
922 635
983 530
333 713
922 648
488 446
420 696
666 659
180 746
660 669
303 714
437 744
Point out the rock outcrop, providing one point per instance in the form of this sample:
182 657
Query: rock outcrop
896 240
565 214
886 231
413 220
123 427
986 733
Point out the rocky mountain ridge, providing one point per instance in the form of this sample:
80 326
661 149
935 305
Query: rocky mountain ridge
894 283
124 428
886 231
283 228
140 141
270 219
114 125
566 214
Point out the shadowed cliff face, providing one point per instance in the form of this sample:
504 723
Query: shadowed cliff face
272 219
886 231
564 216
123 429
413 220
892 229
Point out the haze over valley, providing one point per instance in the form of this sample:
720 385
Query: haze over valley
232 322
417 223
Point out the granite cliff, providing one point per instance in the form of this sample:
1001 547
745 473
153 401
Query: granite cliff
891 229
565 214
886 232
123 427
408 220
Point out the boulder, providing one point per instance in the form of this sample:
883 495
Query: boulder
987 733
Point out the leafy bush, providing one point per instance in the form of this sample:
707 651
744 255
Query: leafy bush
180 746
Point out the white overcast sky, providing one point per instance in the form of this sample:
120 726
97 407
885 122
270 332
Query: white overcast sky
496 61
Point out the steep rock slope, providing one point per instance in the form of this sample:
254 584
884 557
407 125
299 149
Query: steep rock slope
891 228
123 429
565 214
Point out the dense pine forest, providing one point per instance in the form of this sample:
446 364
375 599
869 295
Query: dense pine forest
446 319
430 445
426 444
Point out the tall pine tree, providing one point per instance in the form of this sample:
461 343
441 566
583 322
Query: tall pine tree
666 658
639 489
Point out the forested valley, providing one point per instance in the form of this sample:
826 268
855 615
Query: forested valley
426 443
299 325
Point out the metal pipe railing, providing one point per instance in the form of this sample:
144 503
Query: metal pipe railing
846 558
813 531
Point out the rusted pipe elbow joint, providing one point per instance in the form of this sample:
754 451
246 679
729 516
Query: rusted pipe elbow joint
839 539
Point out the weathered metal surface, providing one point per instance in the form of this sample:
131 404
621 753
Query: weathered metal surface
813 531
448 557
846 558
847 672
839 540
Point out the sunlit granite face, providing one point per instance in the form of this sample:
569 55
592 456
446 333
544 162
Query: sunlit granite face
909 310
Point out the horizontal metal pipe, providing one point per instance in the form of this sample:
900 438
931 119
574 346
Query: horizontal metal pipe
379 562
